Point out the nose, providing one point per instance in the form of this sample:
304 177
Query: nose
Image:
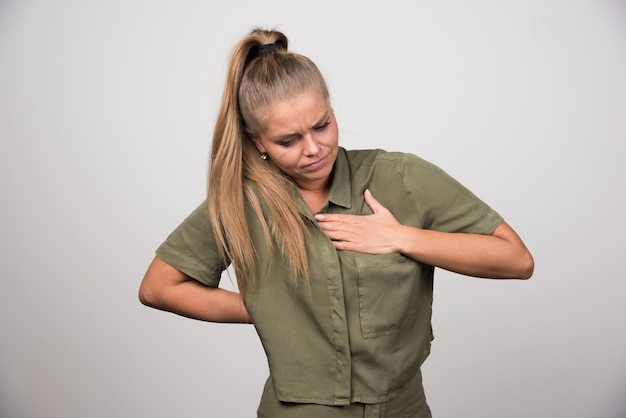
311 145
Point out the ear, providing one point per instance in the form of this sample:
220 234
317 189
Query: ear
256 140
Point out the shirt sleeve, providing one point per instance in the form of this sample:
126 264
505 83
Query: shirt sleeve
191 249
444 204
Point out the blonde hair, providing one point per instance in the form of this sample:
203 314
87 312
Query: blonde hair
260 72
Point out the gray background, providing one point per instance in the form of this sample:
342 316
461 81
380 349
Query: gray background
106 112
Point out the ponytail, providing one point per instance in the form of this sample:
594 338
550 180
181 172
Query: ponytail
260 72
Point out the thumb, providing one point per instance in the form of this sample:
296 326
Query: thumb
372 202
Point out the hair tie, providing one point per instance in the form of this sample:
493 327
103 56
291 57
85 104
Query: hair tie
260 50
265 49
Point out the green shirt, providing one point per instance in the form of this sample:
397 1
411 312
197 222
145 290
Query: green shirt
362 329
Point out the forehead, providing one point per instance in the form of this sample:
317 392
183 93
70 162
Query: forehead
301 111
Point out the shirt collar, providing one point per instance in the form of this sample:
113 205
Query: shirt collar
340 192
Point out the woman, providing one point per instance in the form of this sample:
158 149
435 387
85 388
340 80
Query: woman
334 250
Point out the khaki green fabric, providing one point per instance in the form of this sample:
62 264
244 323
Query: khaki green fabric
410 402
362 329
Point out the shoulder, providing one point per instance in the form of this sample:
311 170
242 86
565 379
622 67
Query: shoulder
390 160
407 172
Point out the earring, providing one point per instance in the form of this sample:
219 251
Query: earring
264 156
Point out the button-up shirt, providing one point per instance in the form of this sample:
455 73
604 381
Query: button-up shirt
362 328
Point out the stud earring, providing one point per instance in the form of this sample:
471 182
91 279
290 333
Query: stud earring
264 156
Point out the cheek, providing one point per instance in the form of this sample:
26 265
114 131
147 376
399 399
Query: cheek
285 159
332 137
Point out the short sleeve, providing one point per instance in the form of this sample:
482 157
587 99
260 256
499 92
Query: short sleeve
191 249
445 204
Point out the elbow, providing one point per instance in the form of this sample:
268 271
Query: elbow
154 293
157 283
526 266
144 295
148 295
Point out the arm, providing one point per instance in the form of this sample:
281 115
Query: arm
163 287
499 255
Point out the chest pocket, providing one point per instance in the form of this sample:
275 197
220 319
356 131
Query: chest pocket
387 286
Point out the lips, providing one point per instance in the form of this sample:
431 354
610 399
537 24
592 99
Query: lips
316 165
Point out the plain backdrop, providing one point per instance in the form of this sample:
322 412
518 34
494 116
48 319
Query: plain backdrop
106 114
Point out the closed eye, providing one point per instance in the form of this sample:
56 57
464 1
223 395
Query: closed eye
289 140
321 127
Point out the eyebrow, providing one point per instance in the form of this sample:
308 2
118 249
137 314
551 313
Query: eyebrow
283 137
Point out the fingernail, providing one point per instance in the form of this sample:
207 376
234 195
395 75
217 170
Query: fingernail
319 217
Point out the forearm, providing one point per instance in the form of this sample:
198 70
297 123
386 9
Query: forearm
165 288
500 255
194 300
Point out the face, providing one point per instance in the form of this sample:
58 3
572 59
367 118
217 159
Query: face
300 136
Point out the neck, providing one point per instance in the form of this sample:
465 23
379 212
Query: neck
315 199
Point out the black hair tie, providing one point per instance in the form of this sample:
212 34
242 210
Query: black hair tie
260 50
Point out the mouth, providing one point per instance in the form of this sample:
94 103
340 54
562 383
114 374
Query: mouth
316 165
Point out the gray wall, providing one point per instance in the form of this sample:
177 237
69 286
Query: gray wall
106 111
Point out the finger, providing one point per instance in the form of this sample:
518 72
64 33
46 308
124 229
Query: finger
337 232
330 228
335 217
336 236
372 202
342 245
323 217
